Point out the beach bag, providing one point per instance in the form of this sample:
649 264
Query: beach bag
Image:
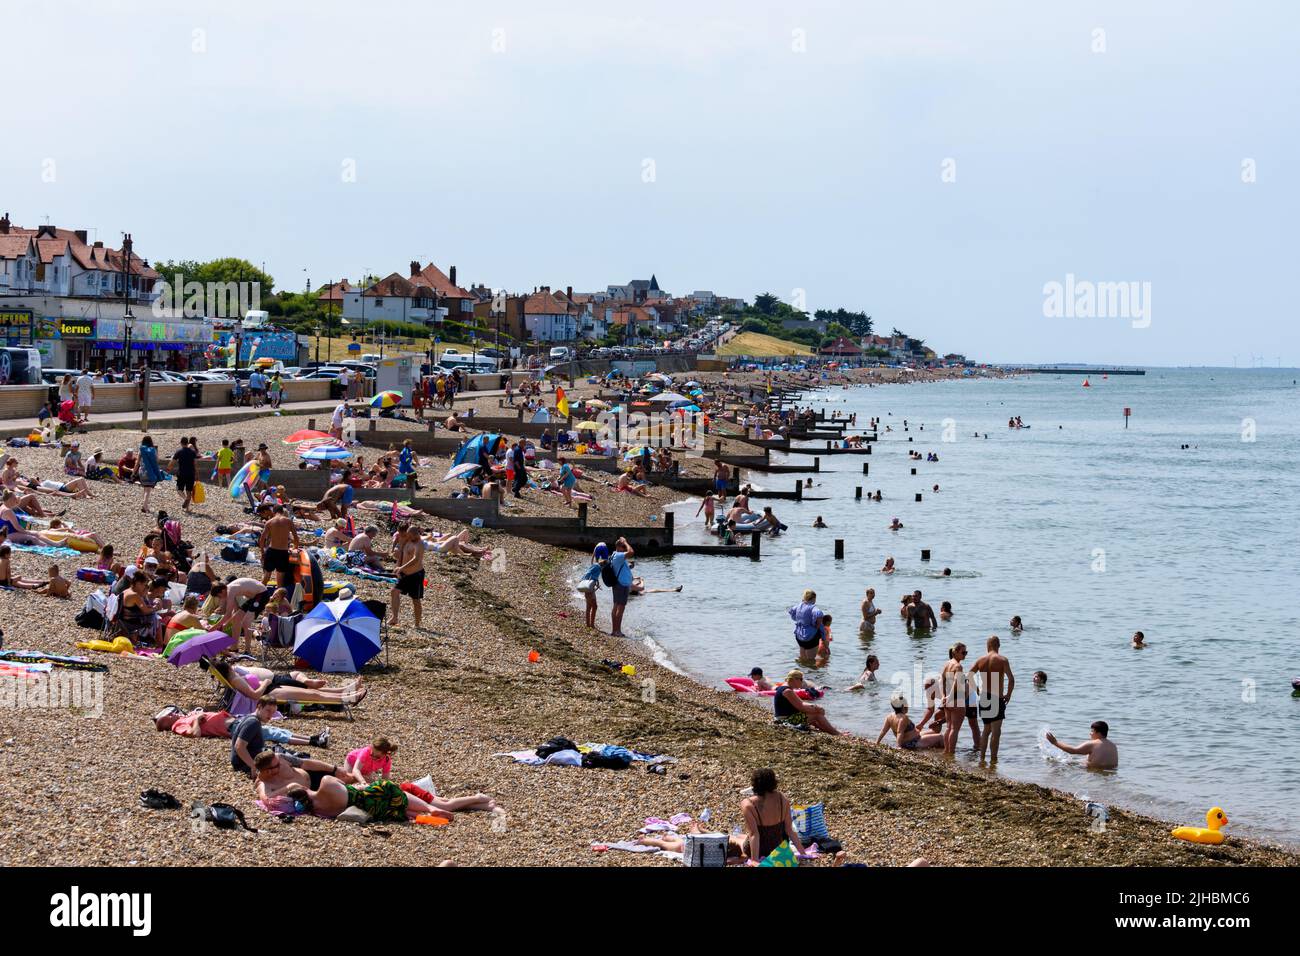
94 575
233 552
200 495
704 849
555 745
810 823
608 576
90 618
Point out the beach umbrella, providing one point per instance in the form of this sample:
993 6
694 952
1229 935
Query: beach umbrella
325 442
660 376
199 644
325 453
596 403
669 398
337 637
687 408
693 385
388 399
457 471
634 452
305 434
589 426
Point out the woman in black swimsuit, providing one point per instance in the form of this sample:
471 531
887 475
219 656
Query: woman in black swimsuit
767 817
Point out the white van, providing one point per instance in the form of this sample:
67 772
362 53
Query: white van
257 319
561 353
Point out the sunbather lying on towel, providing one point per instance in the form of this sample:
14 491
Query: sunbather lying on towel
455 543
383 800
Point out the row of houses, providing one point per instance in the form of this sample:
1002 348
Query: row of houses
426 295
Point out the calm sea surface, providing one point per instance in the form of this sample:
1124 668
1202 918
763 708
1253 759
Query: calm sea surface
1199 553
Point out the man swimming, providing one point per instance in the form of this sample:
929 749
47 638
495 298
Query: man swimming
1102 753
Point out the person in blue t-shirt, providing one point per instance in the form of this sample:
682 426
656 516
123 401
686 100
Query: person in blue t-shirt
623 570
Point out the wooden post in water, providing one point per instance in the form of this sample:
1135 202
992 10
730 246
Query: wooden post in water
925 554
798 489
817 464
866 467
755 544
857 494
669 517
918 496
914 471
839 549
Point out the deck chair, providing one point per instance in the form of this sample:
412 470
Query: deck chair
380 610
239 704
276 636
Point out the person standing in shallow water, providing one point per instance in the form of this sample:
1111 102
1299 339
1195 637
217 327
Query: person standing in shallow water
995 693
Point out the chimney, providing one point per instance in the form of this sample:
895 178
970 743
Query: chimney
569 292
415 267
82 236
46 230
452 275
4 225
99 244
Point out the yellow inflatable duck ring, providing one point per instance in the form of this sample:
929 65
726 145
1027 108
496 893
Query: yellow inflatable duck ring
1214 819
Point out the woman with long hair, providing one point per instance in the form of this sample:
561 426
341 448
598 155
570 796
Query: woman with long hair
149 471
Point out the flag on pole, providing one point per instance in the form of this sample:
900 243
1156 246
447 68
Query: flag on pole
561 403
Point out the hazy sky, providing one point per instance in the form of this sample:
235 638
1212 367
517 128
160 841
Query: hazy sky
793 147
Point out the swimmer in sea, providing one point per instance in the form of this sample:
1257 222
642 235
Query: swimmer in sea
889 566
819 523
869 613
947 572
869 674
896 525
945 611
1102 754
1139 640
760 682
1016 626
1040 678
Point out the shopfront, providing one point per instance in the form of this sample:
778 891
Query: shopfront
16 326
171 344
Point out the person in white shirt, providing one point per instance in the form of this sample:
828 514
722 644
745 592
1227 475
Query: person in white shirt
336 420
85 394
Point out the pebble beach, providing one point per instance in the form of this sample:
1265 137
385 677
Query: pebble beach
463 690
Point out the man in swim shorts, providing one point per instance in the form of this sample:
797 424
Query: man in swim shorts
408 549
996 686
278 533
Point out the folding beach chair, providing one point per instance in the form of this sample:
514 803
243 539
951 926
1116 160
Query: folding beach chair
380 610
276 636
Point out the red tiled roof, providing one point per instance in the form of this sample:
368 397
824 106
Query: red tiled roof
334 291
546 303
90 258
399 287
436 279
840 346
11 246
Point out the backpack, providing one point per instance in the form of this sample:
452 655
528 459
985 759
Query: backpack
221 815
555 745
608 576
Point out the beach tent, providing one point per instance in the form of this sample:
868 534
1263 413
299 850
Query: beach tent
469 451
337 637
542 417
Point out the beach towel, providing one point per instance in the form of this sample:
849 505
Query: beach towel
46 550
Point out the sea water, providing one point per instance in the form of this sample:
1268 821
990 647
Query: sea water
1086 529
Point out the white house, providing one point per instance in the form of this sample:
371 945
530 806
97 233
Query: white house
550 318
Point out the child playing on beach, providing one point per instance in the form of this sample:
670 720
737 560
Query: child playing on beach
708 506
590 582
374 762
225 462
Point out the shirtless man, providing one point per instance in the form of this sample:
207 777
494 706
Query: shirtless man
275 774
333 501
408 549
364 544
275 539
244 599
995 693
1102 754
869 612
920 616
